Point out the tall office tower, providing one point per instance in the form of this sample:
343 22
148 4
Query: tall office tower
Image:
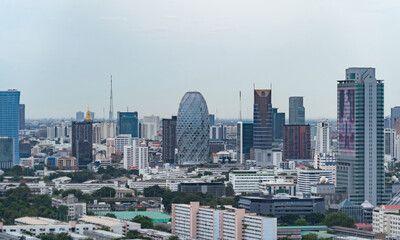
192 129
127 123
390 142
136 157
296 111
218 132
262 128
108 130
278 120
21 116
152 126
386 122
394 113
97 133
9 118
360 158
297 142
212 119
80 116
169 140
82 141
51 132
244 140
110 143
322 138
6 152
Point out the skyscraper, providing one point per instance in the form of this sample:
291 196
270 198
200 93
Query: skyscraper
360 158
394 113
296 111
262 128
80 116
128 123
9 118
322 138
21 116
192 129
6 152
244 140
82 141
296 142
150 127
278 120
169 140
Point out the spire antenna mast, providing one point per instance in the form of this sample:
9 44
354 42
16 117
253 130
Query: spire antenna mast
111 113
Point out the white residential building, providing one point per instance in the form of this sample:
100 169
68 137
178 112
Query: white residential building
305 178
192 221
136 157
247 181
150 127
322 139
386 220
122 140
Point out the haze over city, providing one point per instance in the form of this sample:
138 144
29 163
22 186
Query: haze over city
60 54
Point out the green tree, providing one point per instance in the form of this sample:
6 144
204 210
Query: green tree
301 222
145 222
173 238
339 219
310 236
154 191
63 236
289 219
315 218
111 215
104 192
133 234
229 192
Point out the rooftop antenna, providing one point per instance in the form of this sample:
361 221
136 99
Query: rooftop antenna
127 108
240 105
111 113
254 86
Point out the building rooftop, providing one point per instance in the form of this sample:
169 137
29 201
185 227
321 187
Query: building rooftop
38 221
105 221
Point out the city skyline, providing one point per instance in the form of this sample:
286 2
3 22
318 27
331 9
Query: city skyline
163 52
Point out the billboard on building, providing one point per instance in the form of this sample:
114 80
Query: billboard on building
346 122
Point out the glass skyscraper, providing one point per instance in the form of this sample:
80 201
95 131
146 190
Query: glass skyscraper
360 158
278 120
244 140
296 111
169 140
9 118
192 130
128 123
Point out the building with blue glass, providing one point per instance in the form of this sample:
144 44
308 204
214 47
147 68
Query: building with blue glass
9 118
128 123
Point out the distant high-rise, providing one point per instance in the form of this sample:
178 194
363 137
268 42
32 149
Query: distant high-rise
128 123
169 140
394 113
6 152
296 111
360 158
244 140
296 142
80 116
9 118
262 128
278 120
82 140
21 116
218 132
150 127
192 129
390 142
212 119
322 138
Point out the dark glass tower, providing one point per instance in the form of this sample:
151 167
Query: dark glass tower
128 123
244 140
262 115
82 141
169 140
278 120
9 118
297 142
6 152
296 111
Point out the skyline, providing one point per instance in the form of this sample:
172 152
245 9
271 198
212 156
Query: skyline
61 55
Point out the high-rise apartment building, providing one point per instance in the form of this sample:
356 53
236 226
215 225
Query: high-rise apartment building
262 128
192 221
218 132
322 139
192 129
6 152
122 140
150 127
169 140
278 120
394 113
244 140
390 142
21 116
9 118
136 157
296 111
82 141
360 158
110 143
297 142
127 123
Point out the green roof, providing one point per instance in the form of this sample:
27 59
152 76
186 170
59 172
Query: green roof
129 215
303 227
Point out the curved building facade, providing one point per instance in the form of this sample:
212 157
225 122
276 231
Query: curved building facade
192 129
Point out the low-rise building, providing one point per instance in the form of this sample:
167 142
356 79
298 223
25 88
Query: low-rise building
247 181
386 220
192 221
116 225
278 186
216 189
76 209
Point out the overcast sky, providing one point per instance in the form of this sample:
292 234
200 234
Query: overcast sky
60 54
